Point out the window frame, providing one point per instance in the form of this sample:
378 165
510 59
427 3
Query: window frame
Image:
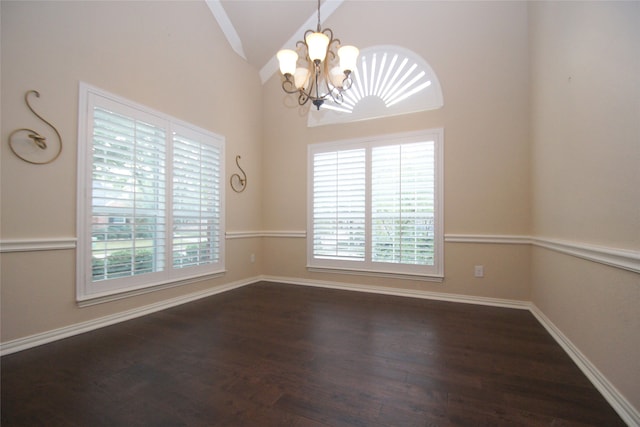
369 267
89 291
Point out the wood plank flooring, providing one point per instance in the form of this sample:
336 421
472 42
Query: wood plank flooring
283 355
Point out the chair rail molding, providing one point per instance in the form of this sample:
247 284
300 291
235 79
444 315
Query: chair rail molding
505 239
43 244
614 257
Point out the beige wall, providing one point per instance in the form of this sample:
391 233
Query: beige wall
479 52
169 56
585 97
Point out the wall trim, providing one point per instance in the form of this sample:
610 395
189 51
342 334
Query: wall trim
29 245
60 243
410 293
488 238
284 233
614 257
35 340
231 235
620 404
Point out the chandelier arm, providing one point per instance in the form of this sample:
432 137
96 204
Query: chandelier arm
303 98
317 74
305 95
338 98
288 85
329 33
304 37
347 82
331 53
334 92
330 89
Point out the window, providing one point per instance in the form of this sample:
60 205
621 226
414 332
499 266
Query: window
150 198
388 81
375 205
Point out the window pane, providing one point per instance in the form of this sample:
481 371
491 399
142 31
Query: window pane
402 203
196 202
339 205
128 196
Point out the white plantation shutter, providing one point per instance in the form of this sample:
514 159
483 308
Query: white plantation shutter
402 198
128 196
375 205
196 202
150 210
339 205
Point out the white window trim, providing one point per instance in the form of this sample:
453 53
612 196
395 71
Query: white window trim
403 271
88 292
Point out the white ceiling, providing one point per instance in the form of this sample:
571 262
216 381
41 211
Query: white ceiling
257 29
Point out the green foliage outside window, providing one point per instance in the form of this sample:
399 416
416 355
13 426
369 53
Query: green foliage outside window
121 264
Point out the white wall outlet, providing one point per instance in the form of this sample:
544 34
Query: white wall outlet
252 258
478 271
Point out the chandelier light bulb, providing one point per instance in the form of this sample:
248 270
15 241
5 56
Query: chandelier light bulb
348 56
317 44
301 77
337 77
287 59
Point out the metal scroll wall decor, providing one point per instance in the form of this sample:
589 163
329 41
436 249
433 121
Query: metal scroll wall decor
33 137
238 183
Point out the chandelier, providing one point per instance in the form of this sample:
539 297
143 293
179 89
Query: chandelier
325 70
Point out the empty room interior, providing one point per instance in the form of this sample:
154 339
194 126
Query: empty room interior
200 227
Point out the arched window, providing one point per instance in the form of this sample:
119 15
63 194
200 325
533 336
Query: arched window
389 81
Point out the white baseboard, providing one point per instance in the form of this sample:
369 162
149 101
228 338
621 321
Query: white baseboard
620 404
440 296
35 340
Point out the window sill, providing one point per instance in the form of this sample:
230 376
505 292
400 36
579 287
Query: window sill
387 274
89 300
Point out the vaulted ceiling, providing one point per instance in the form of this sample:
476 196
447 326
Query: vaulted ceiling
257 29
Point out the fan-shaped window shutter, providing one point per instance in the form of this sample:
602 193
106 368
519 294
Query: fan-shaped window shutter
388 81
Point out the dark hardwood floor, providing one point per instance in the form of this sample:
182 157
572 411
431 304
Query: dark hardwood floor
283 355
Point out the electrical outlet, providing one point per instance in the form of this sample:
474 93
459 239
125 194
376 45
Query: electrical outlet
252 258
478 271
